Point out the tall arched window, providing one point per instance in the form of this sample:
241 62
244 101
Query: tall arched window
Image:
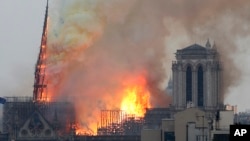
200 87
188 84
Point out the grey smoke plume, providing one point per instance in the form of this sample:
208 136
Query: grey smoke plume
227 23
114 40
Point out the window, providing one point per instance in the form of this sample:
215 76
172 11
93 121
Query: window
200 87
188 84
201 138
169 136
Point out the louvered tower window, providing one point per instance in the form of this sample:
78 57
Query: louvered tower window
188 84
200 87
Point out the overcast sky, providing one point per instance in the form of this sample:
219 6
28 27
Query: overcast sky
21 23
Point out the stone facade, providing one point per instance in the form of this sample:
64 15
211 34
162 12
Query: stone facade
196 78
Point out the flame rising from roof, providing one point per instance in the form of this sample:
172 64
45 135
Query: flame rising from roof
135 97
96 60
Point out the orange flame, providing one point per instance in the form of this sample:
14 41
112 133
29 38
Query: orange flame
136 97
81 131
44 97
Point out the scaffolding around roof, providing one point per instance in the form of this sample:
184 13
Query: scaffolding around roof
117 122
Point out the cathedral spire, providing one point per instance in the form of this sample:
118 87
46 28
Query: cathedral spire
46 18
40 86
208 45
214 45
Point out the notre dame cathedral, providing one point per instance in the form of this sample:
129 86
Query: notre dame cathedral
197 78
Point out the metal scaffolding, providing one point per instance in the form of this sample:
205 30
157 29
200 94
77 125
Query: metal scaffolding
117 122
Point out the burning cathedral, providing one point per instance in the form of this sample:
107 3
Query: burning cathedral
34 118
196 82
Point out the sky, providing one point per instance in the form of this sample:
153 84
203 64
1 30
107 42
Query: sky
21 24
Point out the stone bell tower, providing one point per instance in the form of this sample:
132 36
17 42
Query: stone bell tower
196 78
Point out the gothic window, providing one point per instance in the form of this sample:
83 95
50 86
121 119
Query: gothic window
188 84
200 87
35 124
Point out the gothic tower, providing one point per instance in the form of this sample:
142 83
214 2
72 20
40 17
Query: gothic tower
196 78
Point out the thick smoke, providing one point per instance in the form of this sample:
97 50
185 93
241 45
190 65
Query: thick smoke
227 24
223 21
95 46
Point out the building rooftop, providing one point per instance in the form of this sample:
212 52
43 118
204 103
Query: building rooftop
193 50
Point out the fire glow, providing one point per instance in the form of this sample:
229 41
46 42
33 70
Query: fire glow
97 66
135 98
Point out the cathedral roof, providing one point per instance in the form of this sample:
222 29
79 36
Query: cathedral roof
193 49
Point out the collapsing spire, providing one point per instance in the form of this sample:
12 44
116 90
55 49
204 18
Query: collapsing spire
40 86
